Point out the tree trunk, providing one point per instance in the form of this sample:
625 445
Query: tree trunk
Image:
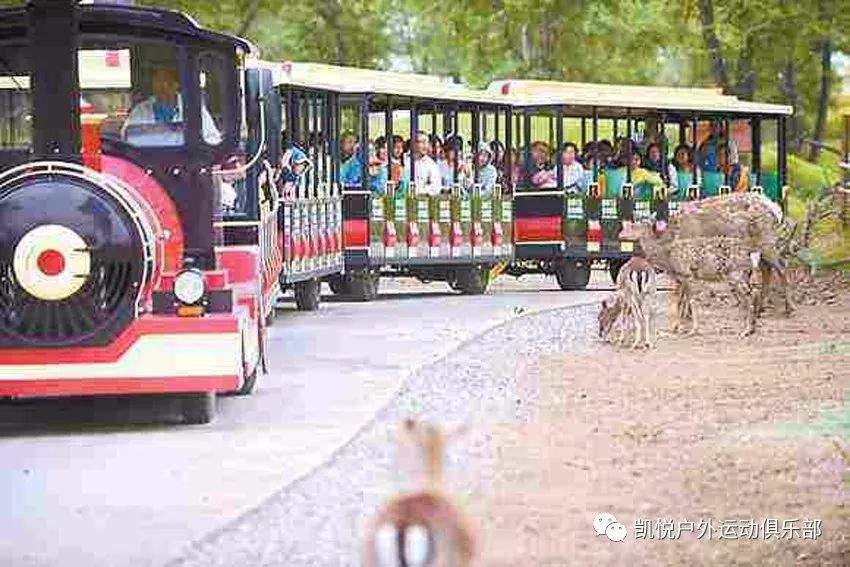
788 86
330 11
745 82
251 12
712 44
823 97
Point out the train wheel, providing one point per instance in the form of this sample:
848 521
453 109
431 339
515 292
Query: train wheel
308 294
338 284
473 280
198 408
614 268
363 286
572 274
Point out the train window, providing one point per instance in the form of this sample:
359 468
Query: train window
15 100
134 93
213 96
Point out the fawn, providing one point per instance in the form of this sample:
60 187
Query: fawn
633 304
423 527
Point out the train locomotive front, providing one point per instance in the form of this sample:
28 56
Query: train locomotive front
112 278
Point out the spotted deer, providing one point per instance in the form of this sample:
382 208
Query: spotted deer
423 527
693 261
632 305
751 217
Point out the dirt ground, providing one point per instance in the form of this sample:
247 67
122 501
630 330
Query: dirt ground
711 427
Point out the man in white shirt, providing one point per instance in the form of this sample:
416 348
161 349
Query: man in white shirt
428 180
158 120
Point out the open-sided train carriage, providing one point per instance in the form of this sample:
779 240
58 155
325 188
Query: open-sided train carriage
564 229
452 234
143 229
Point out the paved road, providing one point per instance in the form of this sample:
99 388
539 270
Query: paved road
110 490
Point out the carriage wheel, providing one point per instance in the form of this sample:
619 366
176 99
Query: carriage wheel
363 285
338 284
472 280
572 273
198 409
308 294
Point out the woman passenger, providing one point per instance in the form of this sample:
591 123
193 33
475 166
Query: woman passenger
655 163
451 160
686 172
574 176
645 181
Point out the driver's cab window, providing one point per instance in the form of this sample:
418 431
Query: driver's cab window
15 99
133 92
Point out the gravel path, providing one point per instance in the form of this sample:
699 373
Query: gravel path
319 519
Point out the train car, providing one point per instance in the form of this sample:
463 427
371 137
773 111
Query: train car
142 240
563 226
449 231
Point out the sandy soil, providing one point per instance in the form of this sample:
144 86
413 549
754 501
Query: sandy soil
711 427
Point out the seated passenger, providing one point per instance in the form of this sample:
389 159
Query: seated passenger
351 168
686 171
451 161
517 173
486 174
398 149
497 149
645 181
158 120
709 148
294 165
540 170
655 163
574 176
378 170
435 147
427 174
605 153
738 175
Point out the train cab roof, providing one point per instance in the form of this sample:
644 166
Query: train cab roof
380 84
615 100
113 19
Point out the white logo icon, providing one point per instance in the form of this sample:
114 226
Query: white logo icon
607 524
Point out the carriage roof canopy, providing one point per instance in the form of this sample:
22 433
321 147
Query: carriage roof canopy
636 97
353 80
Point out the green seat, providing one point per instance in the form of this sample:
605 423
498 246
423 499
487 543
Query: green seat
614 180
711 182
643 191
770 183
684 179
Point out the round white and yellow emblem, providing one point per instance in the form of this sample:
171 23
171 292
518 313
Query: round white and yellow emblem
51 262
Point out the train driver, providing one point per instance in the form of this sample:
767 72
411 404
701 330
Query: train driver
158 120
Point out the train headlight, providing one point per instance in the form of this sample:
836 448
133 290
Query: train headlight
189 286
